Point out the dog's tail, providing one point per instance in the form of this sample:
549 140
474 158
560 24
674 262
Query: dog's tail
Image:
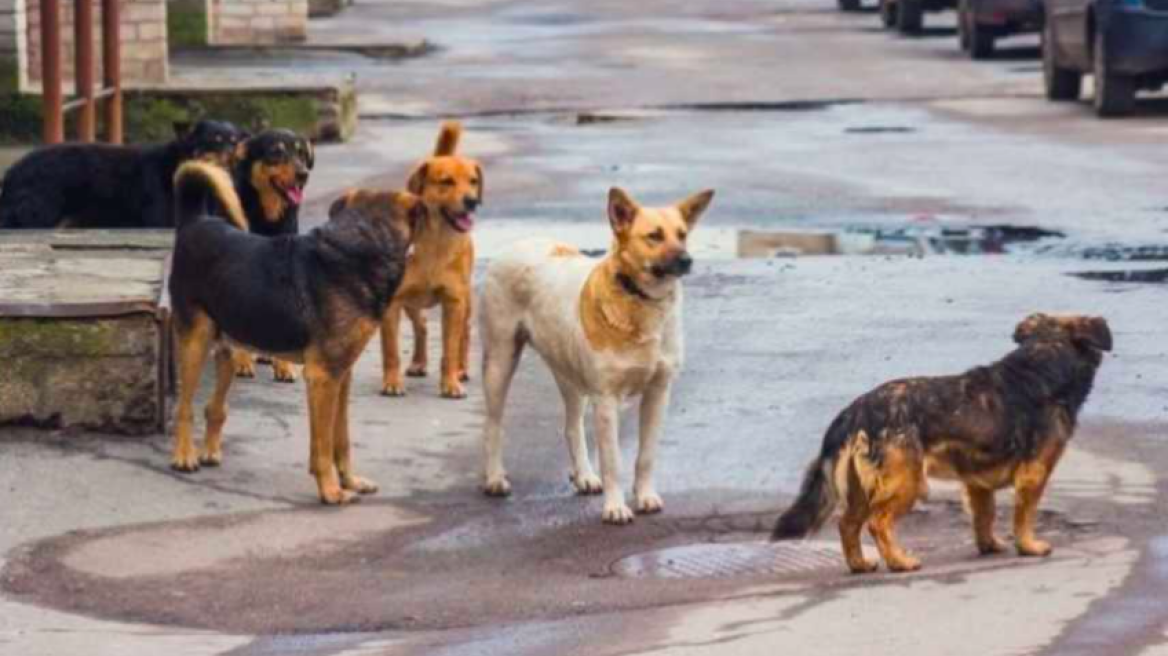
820 492
448 139
202 189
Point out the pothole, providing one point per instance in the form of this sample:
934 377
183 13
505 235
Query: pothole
724 561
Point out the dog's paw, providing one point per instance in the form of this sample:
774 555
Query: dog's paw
863 566
587 484
994 546
245 368
617 513
453 390
497 487
337 496
904 564
393 389
464 377
1037 548
649 503
359 485
283 372
211 458
416 371
185 462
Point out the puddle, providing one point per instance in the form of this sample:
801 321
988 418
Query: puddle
1154 276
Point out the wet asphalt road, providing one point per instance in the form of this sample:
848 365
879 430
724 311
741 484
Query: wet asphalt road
799 117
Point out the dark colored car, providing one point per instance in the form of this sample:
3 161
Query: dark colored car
908 16
982 22
1123 43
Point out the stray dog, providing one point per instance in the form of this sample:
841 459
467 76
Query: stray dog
439 269
608 330
106 186
1004 424
315 299
270 177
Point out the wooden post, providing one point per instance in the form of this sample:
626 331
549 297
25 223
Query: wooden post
83 69
112 66
54 124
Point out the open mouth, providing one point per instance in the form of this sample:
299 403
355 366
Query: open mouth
292 193
460 221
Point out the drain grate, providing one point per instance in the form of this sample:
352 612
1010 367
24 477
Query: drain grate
730 560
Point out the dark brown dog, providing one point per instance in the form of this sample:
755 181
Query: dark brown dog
315 299
1005 424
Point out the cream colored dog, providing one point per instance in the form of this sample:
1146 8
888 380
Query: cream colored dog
608 330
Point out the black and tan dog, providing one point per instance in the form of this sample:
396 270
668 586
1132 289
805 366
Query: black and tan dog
440 267
314 299
105 186
991 427
270 177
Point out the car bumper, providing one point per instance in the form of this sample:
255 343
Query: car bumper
1137 41
1008 12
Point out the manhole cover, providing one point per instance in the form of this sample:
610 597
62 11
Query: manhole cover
730 560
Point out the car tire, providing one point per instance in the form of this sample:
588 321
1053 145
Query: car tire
1061 84
910 16
888 14
849 5
1115 94
981 40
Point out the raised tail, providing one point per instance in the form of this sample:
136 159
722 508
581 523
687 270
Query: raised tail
448 139
202 189
819 494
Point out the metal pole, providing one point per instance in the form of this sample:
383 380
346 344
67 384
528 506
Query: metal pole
83 68
112 66
54 125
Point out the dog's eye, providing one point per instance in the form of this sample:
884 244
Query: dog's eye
657 236
446 182
681 235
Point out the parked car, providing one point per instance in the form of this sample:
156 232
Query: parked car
1123 43
908 16
982 22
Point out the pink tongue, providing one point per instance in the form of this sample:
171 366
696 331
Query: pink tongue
295 194
465 222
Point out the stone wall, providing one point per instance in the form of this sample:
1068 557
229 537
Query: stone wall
143 39
235 22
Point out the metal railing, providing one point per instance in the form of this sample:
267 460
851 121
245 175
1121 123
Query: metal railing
87 96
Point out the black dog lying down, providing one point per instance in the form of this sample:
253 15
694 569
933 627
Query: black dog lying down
1001 425
314 299
106 186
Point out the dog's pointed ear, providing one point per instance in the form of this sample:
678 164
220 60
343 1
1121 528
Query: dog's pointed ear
693 207
1027 327
1093 331
339 205
482 182
309 153
182 129
622 210
417 181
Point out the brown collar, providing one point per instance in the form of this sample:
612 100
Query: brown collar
632 289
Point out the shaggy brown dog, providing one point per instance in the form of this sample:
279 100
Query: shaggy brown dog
1005 424
439 268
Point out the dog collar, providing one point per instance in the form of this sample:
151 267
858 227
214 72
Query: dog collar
631 287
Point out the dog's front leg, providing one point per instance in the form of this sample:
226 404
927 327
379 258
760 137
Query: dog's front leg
654 402
342 449
605 414
1029 483
324 393
454 311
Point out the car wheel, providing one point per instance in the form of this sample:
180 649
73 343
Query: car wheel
849 5
1115 94
910 16
981 40
888 14
1060 83
963 14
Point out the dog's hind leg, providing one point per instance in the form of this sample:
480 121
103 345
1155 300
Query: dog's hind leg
654 402
324 394
391 376
464 349
582 476
1029 483
194 341
216 410
856 508
896 489
605 414
502 349
982 508
342 449
419 361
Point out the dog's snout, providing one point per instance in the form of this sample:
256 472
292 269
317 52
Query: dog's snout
470 203
301 175
683 263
